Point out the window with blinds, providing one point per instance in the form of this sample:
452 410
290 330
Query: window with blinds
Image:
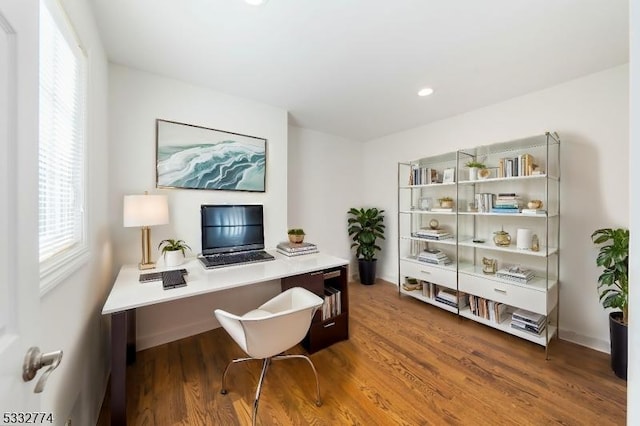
62 224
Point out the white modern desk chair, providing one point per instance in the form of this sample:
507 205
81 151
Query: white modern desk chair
266 332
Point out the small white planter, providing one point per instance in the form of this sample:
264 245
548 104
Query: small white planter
173 258
473 173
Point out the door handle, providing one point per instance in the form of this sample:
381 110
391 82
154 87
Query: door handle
34 360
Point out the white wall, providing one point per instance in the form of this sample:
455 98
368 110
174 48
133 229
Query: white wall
325 180
71 312
633 373
591 116
136 100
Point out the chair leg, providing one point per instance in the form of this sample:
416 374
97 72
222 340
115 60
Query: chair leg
315 373
265 366
223 391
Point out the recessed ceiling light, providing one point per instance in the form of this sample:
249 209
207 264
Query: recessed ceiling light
256 2
425 92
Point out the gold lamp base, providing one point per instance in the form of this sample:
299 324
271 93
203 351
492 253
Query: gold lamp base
146 262
143 266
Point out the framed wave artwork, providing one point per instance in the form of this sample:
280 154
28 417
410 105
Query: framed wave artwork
195 157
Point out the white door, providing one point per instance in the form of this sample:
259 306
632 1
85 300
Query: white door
19 275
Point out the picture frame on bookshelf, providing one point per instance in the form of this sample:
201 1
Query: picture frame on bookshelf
449 175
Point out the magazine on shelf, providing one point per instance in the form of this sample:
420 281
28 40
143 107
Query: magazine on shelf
528 317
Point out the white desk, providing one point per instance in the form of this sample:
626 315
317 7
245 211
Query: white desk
128 294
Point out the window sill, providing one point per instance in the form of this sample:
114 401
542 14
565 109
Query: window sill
54 271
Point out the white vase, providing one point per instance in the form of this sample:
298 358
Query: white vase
473 173
173 258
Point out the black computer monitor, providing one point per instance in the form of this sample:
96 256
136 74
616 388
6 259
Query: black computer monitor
231 228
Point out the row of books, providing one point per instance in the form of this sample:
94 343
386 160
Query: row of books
484 201
423 176
296 249
518 274
488 309
434 257
522 165
528 321
332 305
432 234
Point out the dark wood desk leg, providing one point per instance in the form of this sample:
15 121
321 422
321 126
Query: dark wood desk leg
131 336
119 368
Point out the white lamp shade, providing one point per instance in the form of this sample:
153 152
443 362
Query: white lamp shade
145 210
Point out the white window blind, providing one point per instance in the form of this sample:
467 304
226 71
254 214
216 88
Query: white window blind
62 142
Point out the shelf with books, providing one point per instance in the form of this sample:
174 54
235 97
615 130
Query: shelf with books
537 283
417 294
429 185
517 198
450 241
489 245
428 212
512 179
505 326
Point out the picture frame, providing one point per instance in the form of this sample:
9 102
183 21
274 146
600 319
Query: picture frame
196 157
449 175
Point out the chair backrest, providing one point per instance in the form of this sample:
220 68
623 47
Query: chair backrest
277 325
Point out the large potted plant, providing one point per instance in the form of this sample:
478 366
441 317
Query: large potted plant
613 284
365 226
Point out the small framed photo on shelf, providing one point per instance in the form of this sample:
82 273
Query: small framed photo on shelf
449 175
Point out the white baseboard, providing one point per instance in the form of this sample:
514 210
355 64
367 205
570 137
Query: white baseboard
590 342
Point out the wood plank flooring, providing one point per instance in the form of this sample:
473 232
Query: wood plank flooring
406 363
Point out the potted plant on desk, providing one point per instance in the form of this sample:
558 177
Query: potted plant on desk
365 227
173 251
296 235
613 284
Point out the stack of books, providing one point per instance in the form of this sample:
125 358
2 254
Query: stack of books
451 297
296 249
432 234
506 203
434 257
517 274
528 321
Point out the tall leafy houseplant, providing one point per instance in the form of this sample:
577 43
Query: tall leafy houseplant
365 226
613 285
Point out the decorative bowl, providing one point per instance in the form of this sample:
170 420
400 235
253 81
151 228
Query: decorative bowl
534 204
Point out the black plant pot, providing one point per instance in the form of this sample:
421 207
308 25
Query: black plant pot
618 336
367 271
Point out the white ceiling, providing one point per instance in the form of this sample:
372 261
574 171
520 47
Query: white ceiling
352 67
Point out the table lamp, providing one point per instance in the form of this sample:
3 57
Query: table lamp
145 211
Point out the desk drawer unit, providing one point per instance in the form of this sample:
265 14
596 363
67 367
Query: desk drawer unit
530 299
325 333
433 274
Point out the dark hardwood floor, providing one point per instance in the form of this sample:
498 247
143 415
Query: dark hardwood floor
406 363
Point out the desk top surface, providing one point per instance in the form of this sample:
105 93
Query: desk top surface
128 292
